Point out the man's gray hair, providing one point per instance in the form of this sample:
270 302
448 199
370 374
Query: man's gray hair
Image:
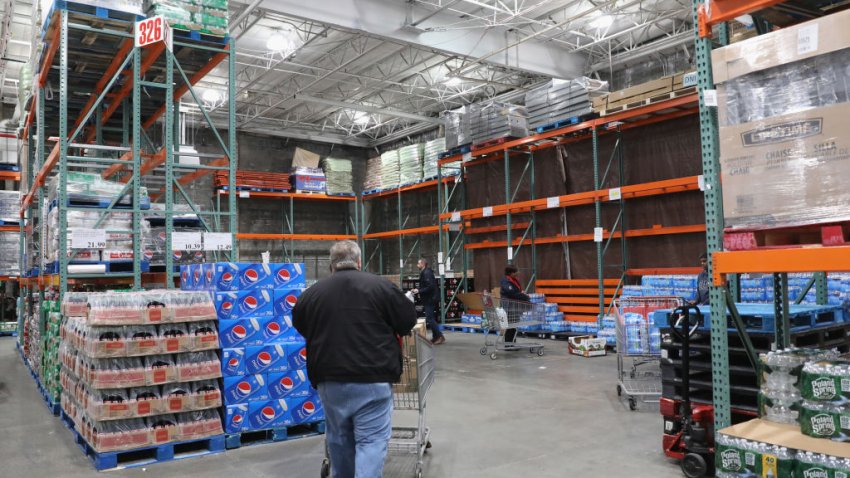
424 261
345 255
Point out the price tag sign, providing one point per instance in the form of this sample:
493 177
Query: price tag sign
244 194
186 241
597 234
553 201
88 239
439 257
153 30
510 253
448 264
455 217
614 194
216 241
466 157
701 182
807 39
442 269
709 97
401 263
488 211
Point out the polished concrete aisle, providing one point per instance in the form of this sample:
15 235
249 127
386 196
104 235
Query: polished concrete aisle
518 416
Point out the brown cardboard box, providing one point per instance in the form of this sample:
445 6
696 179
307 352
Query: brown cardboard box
599 103
305 159
787 436
586 346
640 92
805 40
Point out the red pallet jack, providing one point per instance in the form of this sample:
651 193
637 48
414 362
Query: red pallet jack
690 437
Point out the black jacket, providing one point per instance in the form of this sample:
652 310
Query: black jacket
510 291
350 321
703 284
427 286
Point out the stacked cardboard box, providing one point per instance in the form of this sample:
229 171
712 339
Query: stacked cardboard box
339 176
562 99
495 120
410 164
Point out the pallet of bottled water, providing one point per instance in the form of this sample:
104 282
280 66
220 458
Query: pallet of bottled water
739 458
780 397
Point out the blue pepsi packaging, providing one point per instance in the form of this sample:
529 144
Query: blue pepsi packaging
233 362
289 385
278 329
297 352
285 300
239 332
267 358
248 303
184 278
236 418
307 410
236 276
270 414
288 276
247 388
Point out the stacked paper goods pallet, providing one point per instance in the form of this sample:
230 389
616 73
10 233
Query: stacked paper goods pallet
410 164
372 180
339 176
205 16
457 128
560 100
140 368
495 120
390 169
430 155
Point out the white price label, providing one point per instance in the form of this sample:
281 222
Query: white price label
401 263
448 263
217 241
597 234
466 157
244 194
701 182
807 39
510 253
455 217
88 239
553 201
186 241
614 194
439 257
442 270
690 79
153 30
709 97
488 211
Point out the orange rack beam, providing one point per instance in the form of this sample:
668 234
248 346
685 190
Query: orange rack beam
652 231
297 237
10 176
485 230
405 232
572 291
654 271
768 261
8 278
10 228
412 187
310 197
725 10
575 282
193 176
654 188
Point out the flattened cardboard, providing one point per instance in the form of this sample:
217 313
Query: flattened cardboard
789 436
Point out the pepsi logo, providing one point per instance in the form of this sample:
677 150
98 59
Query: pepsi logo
273 328
308 407
284 276
148 254
250 302
226 306
162 236
185 275
268 413
237 419
303 354
209 275
287 384
234 362
226 277
199 255
291 300
179 255
265 358
243 389
239 332
252 276
197 275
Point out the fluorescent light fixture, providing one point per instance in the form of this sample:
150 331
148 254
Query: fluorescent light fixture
602 21
361 118
277 42
211 96
452 81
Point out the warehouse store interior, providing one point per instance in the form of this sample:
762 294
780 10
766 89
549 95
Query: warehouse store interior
580 227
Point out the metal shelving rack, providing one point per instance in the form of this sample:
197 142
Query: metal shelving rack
725 267
113 132
588 130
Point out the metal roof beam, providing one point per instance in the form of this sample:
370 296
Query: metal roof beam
369 109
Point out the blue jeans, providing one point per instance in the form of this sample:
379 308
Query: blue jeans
359 423
431 320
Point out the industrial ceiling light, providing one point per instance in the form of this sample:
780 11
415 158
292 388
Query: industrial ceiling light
282 40
276 42
211 96
452 81
361 118
602 21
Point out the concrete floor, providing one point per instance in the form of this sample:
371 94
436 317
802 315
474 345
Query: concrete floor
520 415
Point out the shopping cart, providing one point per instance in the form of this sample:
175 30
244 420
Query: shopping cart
639 347
409 395
499 315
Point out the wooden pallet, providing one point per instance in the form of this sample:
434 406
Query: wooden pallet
274 435
820 235
648 101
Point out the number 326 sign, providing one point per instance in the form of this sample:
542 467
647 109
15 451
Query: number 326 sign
153 30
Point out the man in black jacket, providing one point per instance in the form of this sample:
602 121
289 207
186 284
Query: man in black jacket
429 294
351 322
511 289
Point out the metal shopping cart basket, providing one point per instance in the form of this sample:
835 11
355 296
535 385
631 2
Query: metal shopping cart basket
639 347
409 395
502 314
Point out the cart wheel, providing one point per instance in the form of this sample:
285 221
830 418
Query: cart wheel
428 445
493 356
632 404
483 350
694 465
619 391
418 471
531 350
326 468
540 352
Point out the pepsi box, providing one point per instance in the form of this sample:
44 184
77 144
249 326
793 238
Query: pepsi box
285 300
247 303
246 388
297 355
267 358
184 277
236 418
239 332
206 276
278 329
289 385
238 276
233 362
289 276
269 414
307 410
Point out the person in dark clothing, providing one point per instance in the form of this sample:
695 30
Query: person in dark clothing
510 289
351 322
703 282
429 295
